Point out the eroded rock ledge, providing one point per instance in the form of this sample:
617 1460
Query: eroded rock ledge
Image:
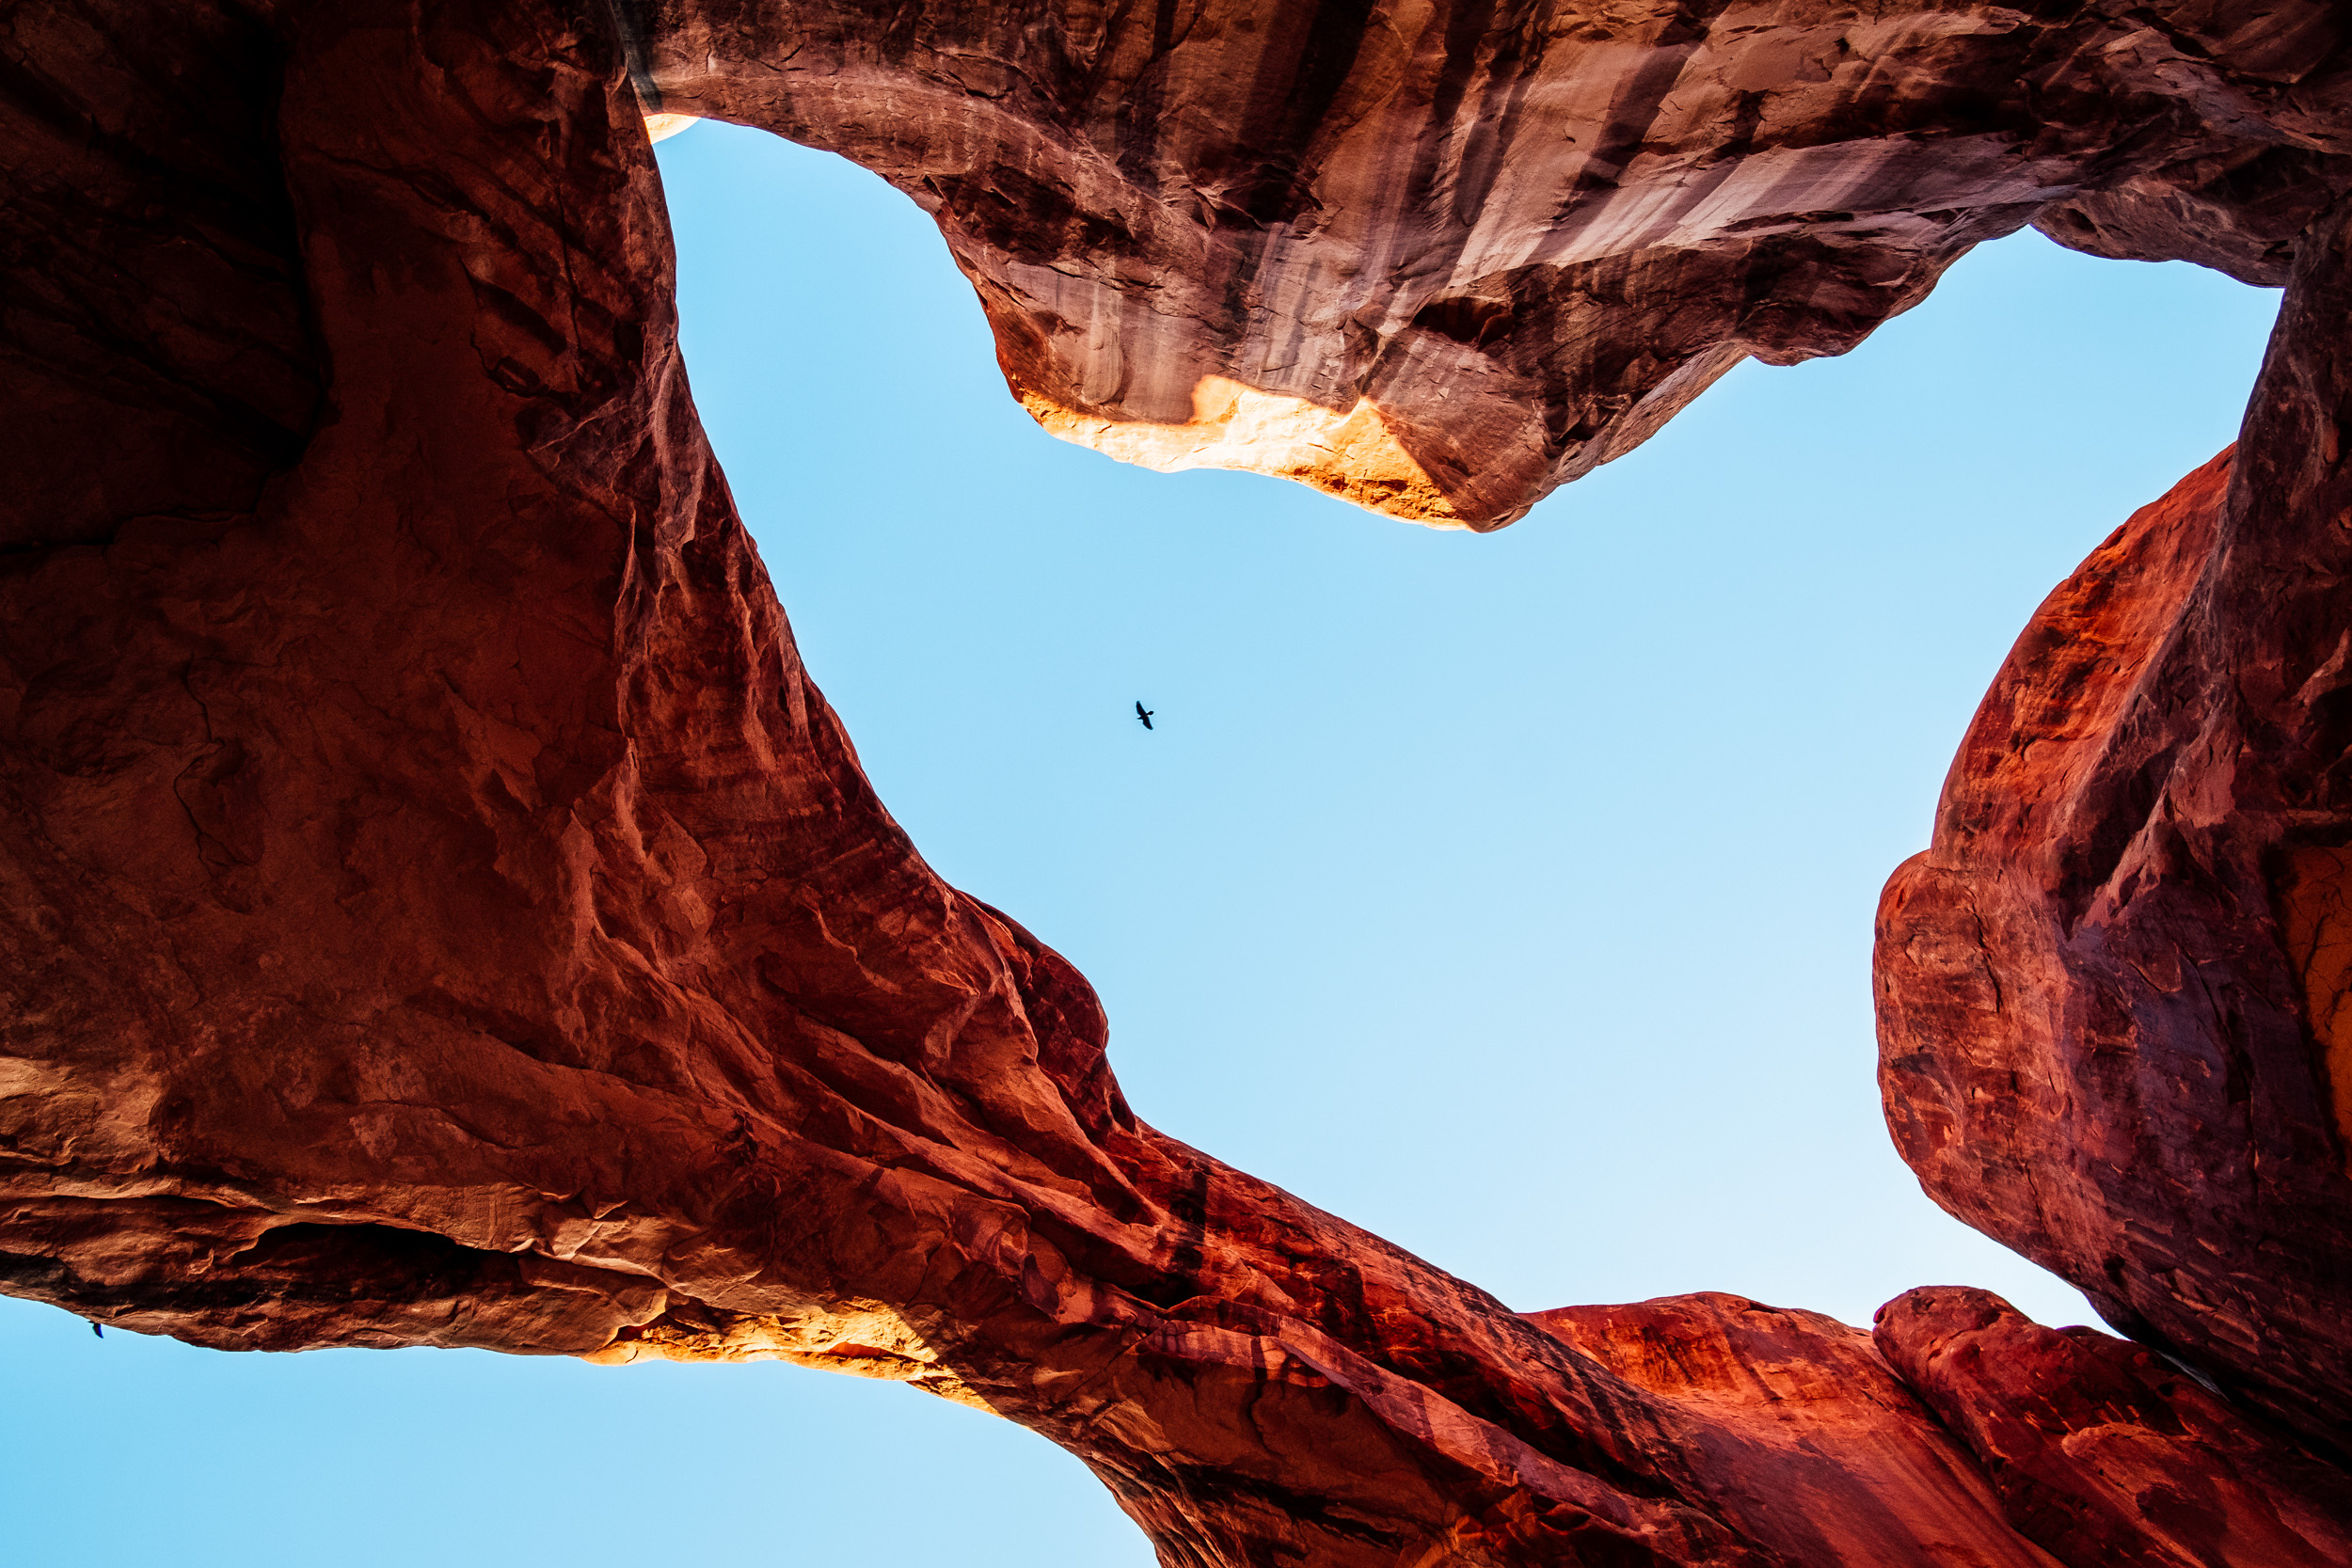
437 910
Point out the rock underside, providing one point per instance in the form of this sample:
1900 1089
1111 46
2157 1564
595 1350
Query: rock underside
436 908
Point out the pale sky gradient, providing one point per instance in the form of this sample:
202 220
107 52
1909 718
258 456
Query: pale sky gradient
1510 895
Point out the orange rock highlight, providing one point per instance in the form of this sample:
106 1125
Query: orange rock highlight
1351 454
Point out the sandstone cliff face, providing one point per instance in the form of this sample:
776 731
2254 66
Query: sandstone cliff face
436 908
1441 258
2108 989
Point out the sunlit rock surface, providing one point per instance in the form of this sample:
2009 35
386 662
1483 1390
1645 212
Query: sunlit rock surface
436 908
2104 1453
2111 992
1810 1425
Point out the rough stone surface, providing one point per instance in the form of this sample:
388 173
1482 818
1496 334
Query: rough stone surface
2111 992
1805 1425
1462 252
436 908
2106 1453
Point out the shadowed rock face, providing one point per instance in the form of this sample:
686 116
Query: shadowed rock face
1440 258
436 908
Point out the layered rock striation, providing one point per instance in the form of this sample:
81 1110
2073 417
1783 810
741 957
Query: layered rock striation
2110 990
1441 258
436 908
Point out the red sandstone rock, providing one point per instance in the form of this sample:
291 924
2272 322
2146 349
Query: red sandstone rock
2110 990
2106 1454
1810 1433
1441 258
435 906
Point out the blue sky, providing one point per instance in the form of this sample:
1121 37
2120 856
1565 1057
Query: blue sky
1510 895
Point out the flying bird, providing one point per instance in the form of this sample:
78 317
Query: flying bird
100 1331
1143 715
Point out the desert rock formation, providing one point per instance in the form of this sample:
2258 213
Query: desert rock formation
437 908
1440 258
2104 1451
2109 991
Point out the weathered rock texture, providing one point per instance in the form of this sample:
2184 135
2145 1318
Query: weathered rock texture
2104 1452
436 908
1801 1422
2112 990
1440 258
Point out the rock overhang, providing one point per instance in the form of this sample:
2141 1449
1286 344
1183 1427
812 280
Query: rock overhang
1439 268
523 961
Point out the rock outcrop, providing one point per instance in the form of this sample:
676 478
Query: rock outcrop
2110 990
2106 1453
1440 258
436 908
1805 1425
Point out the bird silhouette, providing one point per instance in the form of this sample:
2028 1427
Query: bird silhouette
100 1331
1143 715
